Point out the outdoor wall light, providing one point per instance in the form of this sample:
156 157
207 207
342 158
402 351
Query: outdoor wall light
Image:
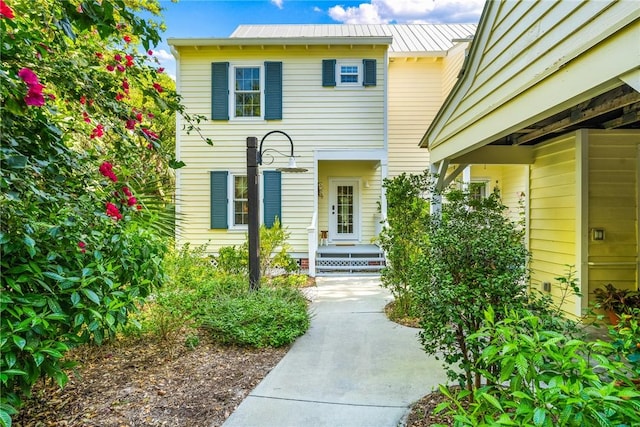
255 156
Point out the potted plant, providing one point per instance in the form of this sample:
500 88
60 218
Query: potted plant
616 301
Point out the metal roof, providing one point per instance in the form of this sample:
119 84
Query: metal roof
407 38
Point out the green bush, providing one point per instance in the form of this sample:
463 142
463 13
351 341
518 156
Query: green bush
263 318
546 378
274 253
402 237
474 256
197 295
289 281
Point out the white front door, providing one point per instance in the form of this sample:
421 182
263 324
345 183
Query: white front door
343 209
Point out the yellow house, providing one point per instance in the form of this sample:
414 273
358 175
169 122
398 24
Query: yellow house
353 99
548 108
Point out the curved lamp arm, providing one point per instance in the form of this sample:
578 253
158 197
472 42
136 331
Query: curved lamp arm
265 137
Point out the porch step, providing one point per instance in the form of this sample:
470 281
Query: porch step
357 259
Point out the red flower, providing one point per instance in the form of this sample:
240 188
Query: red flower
113 211
106 169
110 67
150 133
157 87
139 207
130 124
117 57
82 245
120 68
127 39
125 85
129 59
160 70
139 117
28 76
126 191
150 115
119 97
6 11
132 201
34 99
51 96
98 132
99 55
149 52
83 100
85 117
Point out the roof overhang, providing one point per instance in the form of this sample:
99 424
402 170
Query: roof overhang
597 89
280 41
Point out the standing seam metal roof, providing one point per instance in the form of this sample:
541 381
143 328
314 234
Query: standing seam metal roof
407 38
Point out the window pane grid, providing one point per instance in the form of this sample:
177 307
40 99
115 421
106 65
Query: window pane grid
247 92
349 73
345 209
240 201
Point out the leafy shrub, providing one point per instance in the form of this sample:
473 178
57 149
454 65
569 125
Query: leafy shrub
545 379
262 318
274 252
403 235
289 281
474 257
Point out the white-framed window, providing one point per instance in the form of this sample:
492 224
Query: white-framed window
246 94
239 207
478 189
348 73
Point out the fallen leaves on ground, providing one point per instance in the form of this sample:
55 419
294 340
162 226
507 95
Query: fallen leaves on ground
145 382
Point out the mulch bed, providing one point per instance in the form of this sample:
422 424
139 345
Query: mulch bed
150 383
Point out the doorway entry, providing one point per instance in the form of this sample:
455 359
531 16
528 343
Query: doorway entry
344 207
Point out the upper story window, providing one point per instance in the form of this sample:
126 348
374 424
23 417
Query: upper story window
247 92
349 74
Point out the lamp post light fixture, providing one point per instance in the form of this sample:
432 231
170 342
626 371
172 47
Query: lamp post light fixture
254 160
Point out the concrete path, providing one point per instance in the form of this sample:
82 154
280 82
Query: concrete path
352 368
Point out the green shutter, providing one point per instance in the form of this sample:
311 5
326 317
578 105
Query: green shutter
369 76
272 197
220 90
273 91
328 72
219 201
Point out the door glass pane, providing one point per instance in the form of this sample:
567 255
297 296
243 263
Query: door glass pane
345 209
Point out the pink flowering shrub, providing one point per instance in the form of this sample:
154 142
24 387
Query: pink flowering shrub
76 259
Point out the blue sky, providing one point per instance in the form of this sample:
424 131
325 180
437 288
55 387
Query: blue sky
218 18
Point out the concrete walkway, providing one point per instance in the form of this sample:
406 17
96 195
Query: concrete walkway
352 368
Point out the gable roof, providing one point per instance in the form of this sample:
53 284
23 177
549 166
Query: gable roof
404 40
423 39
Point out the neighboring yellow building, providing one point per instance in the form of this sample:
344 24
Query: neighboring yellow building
354 99
548 107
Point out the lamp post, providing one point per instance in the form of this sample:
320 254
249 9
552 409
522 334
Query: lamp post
254 160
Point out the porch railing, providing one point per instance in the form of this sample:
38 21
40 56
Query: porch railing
312 236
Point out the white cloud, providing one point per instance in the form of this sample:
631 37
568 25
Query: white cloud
363 14
165 60
278 3
163 55
409 11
